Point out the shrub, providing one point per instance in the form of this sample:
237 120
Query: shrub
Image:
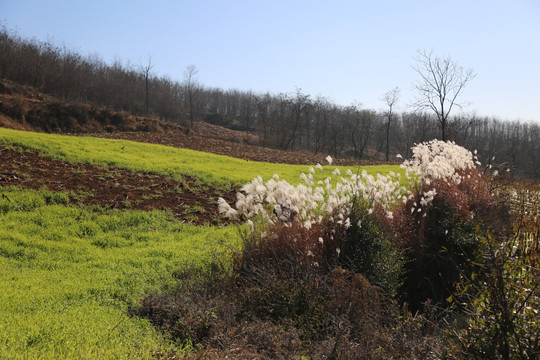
373 221
323 262
437 226
269 315
196 309
368 249
439 239
501 301
16 109
340 221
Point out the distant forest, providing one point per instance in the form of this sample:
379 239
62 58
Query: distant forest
288 121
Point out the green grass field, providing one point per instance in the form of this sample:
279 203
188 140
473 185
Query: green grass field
69 274
209 168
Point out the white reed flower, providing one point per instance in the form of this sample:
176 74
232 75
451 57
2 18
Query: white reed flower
329 159
278 202
223 206
251 225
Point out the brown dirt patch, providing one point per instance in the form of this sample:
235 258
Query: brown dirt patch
217 140
114 188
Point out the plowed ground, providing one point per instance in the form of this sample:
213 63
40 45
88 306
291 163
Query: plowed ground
113 188
218 140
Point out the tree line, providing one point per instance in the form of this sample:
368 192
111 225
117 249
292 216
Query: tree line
288 121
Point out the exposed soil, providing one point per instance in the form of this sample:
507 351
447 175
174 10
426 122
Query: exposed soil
217 140
113 188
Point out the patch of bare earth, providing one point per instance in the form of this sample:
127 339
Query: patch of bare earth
113 188
218 140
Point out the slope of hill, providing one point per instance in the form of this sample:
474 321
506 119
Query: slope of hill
25 108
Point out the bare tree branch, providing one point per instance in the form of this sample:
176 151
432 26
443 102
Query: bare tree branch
145 70
391 98
441 82
191 82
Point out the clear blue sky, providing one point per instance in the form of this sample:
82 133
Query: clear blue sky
347 51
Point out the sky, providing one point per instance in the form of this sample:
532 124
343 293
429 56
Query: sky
350 52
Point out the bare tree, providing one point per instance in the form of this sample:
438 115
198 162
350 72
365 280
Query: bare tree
145 71
321 118
361 130
263 105
247 112
390 98
191 82
300 107
441 82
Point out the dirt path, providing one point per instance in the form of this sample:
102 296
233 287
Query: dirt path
113 188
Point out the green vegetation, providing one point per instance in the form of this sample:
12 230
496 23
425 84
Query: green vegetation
69 274
158 159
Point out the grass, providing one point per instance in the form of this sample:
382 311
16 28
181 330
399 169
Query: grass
211 169
69 274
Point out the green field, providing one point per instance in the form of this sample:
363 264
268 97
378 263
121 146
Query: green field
70 273
164 160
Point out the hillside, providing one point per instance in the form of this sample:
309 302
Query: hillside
25 108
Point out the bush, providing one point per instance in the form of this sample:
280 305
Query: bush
438 225
373 222
368 249
16 109
501 301
264 311
322 265
439 239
